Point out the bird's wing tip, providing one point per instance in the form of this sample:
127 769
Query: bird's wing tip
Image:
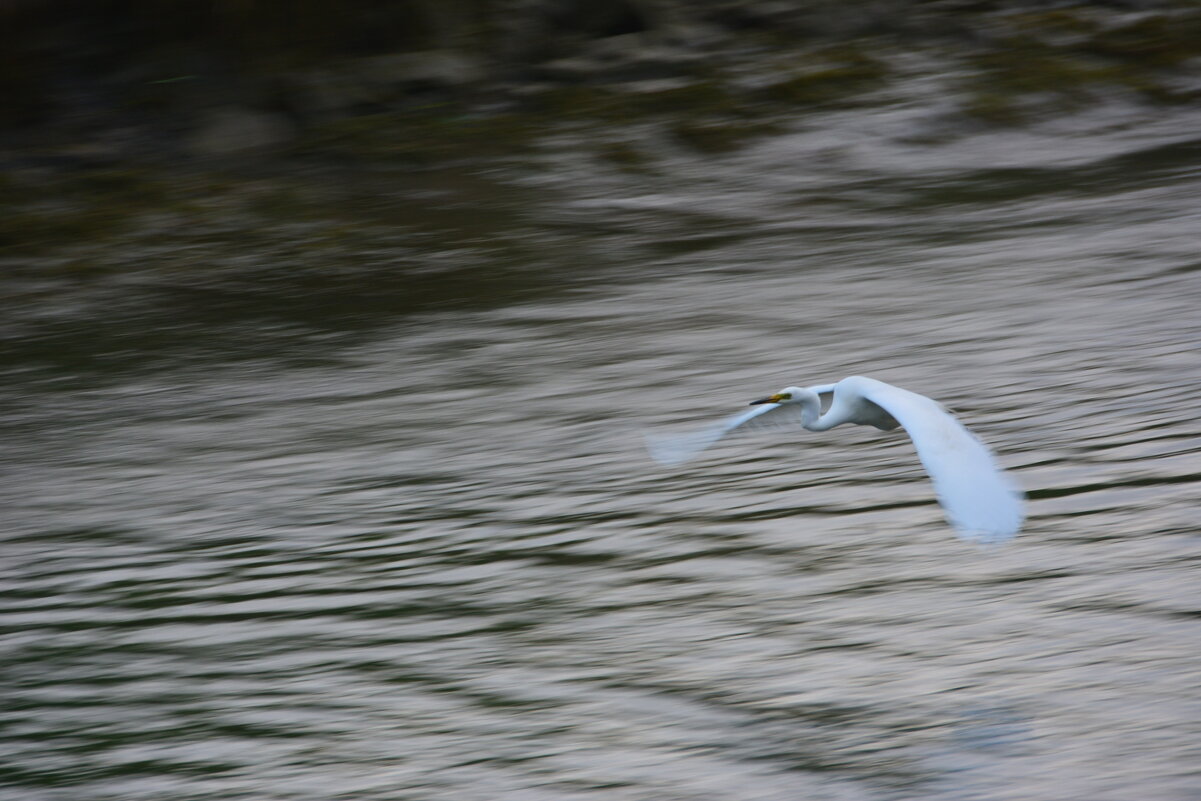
670 451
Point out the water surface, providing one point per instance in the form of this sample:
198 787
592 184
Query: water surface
394 536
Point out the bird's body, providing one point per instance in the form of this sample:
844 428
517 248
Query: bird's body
979 499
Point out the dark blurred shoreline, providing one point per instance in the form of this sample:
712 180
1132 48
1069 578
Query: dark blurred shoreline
123 80
101 103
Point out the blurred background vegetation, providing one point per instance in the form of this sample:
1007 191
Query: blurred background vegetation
311 60
94 92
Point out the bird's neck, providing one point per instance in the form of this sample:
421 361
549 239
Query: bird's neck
811 413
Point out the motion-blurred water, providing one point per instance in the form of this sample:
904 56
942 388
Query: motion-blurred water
399 540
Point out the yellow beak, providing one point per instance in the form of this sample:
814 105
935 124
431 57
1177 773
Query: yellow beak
771 399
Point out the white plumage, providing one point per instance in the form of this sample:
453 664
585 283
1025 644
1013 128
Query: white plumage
979 499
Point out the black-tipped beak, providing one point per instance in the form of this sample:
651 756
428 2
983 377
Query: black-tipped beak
772 399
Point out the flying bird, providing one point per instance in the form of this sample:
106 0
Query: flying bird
979 499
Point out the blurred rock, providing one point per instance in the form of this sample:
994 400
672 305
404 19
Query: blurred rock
325 95
237 131
630 57
376 83
424 69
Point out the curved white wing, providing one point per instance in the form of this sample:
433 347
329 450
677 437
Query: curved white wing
983 503
673 449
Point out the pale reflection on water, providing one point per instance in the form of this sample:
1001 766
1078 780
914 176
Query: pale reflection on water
431 561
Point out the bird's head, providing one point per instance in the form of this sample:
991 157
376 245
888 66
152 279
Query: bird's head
786 395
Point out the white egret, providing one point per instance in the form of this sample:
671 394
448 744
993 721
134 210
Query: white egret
980 500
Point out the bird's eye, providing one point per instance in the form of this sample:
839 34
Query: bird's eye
785 396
